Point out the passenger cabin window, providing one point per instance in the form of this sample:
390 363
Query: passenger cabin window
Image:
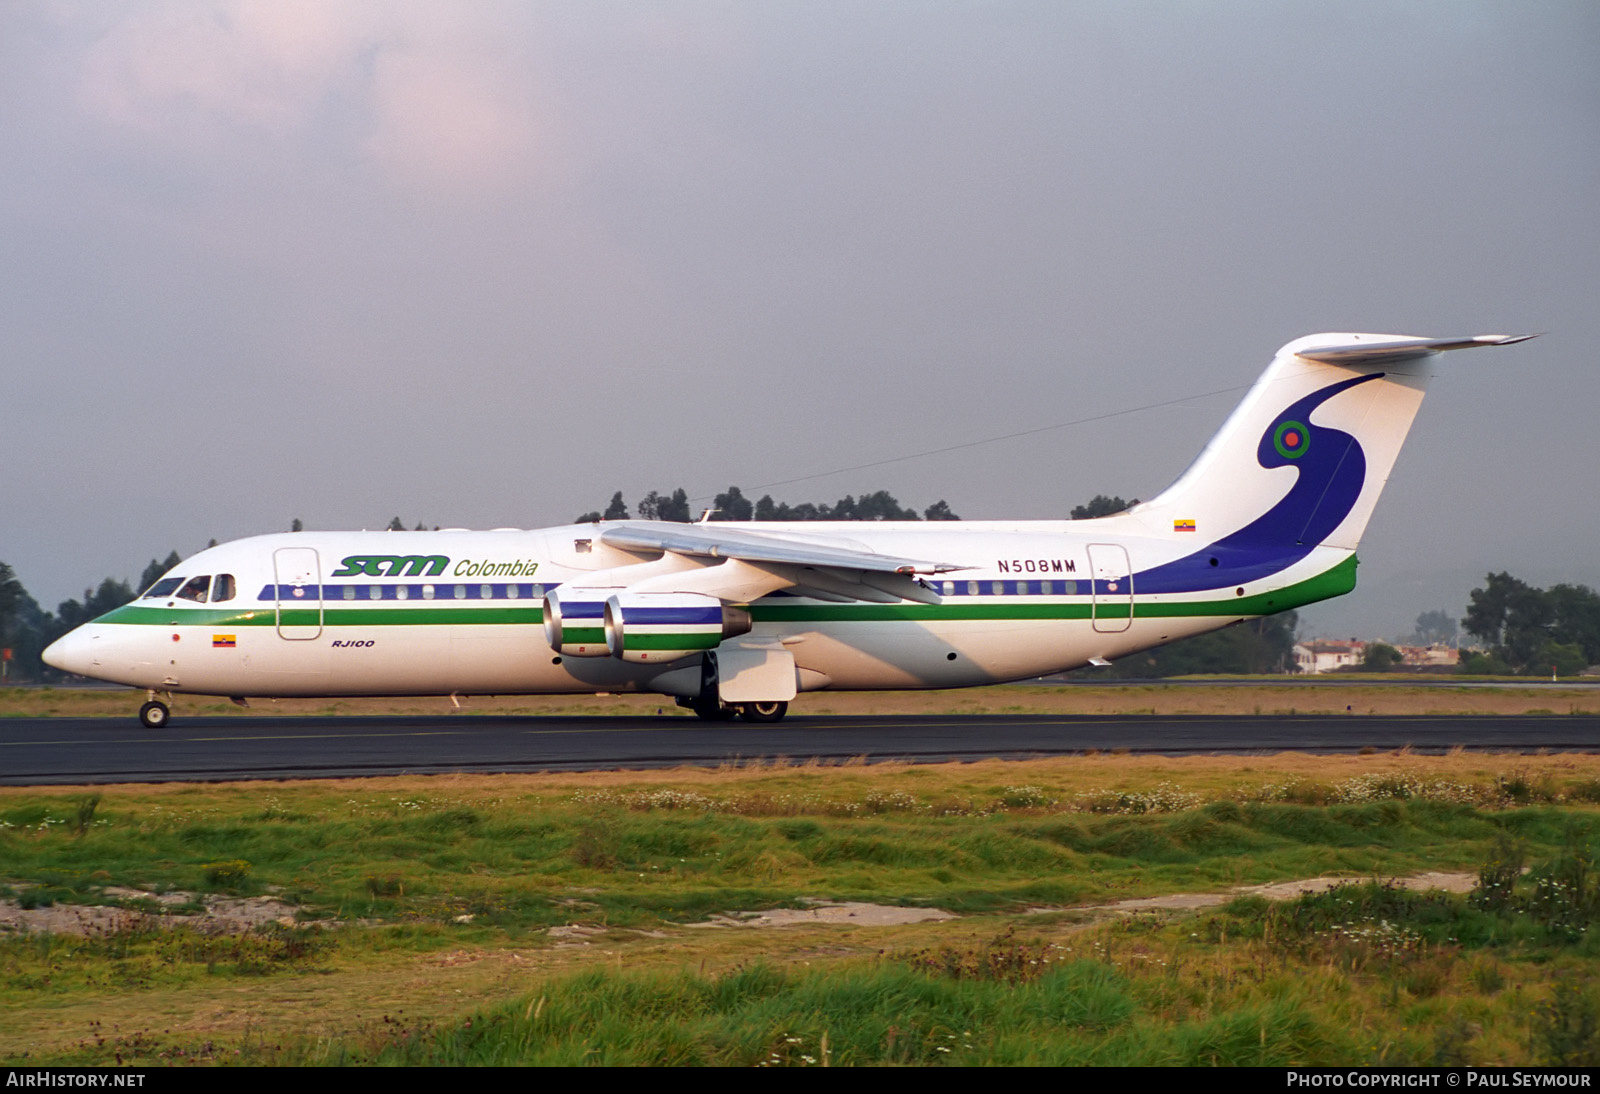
164 587
222 588
196 589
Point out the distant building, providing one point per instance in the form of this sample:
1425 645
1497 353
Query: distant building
1333 655
1427 657
1327 655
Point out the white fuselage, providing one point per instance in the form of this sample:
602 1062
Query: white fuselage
1025 604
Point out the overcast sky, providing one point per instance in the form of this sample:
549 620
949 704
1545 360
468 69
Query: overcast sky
484 264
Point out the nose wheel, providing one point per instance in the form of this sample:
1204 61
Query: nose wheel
155 714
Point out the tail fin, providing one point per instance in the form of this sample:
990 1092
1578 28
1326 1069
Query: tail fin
1301 461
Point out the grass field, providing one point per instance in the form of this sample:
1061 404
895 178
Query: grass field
569 918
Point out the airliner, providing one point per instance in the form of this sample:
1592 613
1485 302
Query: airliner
735 619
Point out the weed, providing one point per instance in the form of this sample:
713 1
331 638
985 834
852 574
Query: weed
1566 893
1451 1041
1565 1030
1002 958
385 885
595 846
228 873
1026 797
1516 787
83 812
1164 798
1486 976
1497 877
1561 896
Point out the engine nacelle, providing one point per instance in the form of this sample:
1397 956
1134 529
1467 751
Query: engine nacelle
653 628
575 622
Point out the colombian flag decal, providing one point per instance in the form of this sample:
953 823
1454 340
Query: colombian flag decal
1183 526
223 642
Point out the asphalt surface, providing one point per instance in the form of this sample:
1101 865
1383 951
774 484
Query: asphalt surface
46 751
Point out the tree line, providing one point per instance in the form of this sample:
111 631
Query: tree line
1531 631
731 504
26 629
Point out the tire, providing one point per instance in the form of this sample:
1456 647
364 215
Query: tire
763 712
714 712
154 715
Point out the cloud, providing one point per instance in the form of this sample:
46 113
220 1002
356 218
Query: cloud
450 110
260 65
428 97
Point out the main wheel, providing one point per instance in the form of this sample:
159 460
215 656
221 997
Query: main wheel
154 715
763 712
714 712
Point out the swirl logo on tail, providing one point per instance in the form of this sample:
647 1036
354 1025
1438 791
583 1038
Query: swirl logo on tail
1331 470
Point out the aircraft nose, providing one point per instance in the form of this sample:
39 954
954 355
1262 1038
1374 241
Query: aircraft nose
75 652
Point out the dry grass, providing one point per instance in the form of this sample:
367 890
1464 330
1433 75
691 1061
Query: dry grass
1392 698
1060 776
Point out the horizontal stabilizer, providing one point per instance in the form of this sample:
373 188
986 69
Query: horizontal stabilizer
1402 349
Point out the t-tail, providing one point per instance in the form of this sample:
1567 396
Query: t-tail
1298 467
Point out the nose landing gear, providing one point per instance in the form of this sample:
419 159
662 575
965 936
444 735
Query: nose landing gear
155 714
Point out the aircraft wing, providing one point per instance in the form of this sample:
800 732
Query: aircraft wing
737 565
712 540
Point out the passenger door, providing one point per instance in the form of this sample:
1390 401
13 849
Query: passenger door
1113 586
299 592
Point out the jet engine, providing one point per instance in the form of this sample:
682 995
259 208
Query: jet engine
653 628
574 622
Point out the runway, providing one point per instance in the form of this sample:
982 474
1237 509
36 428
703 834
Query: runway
64 751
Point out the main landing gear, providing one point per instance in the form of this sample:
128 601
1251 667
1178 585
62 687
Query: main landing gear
763 712
708 704
750 712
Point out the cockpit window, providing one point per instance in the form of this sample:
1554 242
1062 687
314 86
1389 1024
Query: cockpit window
196 589
163 587
222 588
